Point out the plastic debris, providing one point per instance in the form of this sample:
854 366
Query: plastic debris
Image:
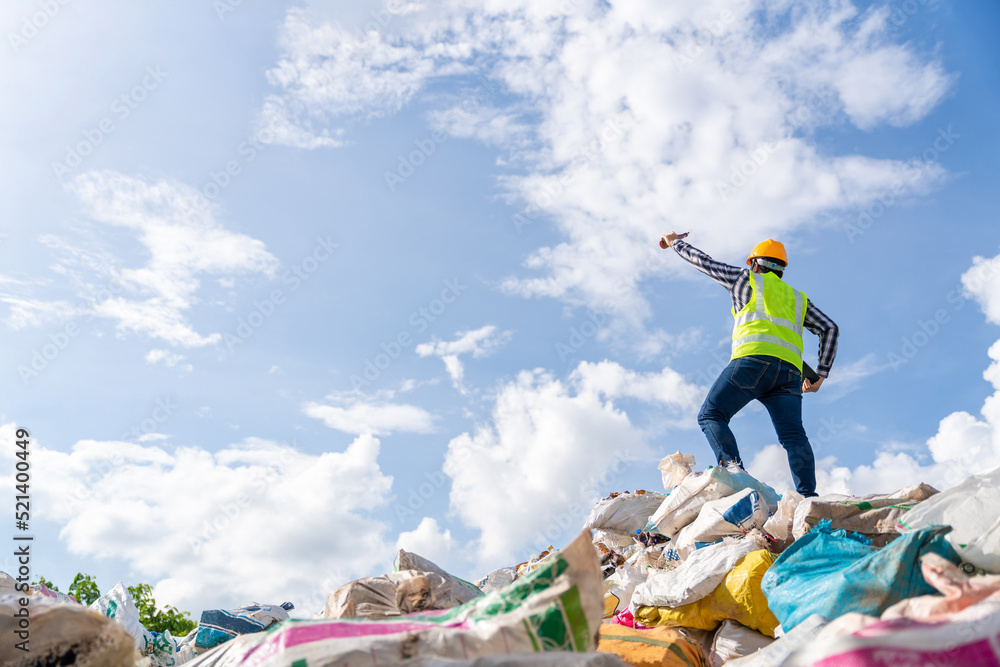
497 579
733 640
557 607
623 514
830 572
972 509
738 597
62 633
966 638
675 468
390 595
732 516
461 591
873 516
663 647
958 591
694 578
619 587
117 604
551 659
779 525
775 653
685 501
221 625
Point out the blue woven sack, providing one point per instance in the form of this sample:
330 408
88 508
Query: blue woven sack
831 572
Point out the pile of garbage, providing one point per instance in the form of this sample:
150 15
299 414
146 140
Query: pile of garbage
718 569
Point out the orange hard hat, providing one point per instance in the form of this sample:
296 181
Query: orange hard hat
769 248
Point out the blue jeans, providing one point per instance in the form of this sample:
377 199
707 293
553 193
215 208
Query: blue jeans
778 385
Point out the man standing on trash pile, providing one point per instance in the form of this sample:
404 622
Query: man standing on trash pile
766 362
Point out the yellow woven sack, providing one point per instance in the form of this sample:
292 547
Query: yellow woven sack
738 597
656 647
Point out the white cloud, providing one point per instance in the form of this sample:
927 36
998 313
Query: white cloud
357 414
527 479
428 540
472 118
666 388
327 71
480 343
982 283
26 312
278 124
850 375
168 358
715 127
182 240
256 520
904 92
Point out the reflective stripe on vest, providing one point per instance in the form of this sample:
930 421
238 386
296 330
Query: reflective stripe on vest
758 332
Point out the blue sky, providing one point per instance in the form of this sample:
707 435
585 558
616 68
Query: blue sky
288 287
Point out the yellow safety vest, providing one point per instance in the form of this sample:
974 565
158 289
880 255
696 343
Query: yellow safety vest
771 323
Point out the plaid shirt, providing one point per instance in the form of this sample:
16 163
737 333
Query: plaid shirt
737 281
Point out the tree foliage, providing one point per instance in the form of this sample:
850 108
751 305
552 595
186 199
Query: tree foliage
84 588
179 623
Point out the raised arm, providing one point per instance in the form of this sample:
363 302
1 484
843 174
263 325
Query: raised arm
724 274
